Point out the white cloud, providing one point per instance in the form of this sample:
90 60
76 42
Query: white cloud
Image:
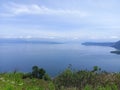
87 20
34 9
114 37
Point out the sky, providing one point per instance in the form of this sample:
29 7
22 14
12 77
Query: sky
65 19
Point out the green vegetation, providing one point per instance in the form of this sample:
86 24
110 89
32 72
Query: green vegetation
38 73
69 79
35 80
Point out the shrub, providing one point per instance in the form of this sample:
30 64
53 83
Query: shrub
38 73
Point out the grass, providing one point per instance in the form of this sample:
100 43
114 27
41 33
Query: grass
95 79
11 81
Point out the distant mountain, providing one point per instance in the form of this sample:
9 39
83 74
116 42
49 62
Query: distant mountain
117 45
30 41
110 44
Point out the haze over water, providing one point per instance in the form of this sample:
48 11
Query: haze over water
54 58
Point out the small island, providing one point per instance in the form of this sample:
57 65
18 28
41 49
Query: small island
116 52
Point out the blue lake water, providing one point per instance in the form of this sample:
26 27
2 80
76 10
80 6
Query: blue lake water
56 57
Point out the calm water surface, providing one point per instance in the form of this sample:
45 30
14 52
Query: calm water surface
56 57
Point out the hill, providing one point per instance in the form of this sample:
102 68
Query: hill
117 45
110 44
29 41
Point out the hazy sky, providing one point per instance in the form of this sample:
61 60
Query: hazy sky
69 19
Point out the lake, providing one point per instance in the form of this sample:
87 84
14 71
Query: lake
54 58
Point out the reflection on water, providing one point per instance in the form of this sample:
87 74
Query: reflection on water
56 57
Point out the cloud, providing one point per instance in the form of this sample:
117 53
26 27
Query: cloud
78 20
114 37
13 9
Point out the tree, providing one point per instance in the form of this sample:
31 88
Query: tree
35 71
38 72
41 73
96 69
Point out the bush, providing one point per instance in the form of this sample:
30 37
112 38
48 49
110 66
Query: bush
38 73
93 79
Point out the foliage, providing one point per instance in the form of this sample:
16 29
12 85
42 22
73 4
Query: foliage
38 73
69 79
88 80
11 81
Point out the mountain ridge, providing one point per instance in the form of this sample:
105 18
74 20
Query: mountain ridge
115 45
29 41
